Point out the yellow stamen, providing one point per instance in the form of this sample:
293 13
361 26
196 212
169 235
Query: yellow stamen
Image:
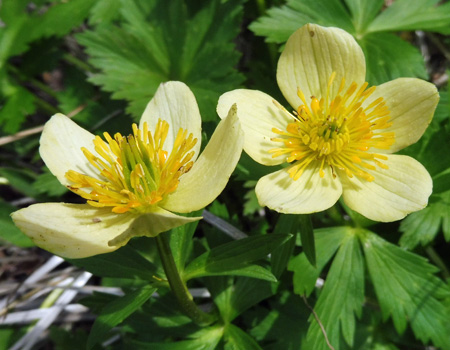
135 172
338 131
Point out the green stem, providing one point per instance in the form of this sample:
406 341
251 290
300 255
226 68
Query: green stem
177 285
78 63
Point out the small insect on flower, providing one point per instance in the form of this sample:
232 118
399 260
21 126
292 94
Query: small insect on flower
133 183
341 135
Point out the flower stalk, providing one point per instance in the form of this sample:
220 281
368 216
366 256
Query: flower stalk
178 286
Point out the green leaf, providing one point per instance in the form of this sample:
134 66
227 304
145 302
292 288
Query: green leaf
7 337
280 23
233 299
105 11
253 271
441 183
47 183
59 19
160 41
437 149
13 34
181 239
341 298
388 57
363 12
125 262
19 103
251 204
281 256
408 290
24 25
283 325
246 293
234 255
307 238
413 15
328 241
8 231
63 339
117 311
204 339
237 339
21 180
422 227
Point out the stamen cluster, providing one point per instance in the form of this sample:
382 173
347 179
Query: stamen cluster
338 132
135 171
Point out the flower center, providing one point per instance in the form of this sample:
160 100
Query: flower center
337 132
135 172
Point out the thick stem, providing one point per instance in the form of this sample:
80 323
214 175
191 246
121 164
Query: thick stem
178 286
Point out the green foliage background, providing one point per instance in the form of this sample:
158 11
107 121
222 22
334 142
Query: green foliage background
374 286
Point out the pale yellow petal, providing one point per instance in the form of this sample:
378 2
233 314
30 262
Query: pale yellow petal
258 114
152 224
72 230
175 103
411 103
211 172
60 148
395 192
311 55
309 194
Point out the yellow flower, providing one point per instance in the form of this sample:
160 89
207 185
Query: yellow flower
342 134
132 184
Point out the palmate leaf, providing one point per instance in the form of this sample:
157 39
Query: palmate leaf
341 298
412 15
159 41
404 283
408 290
388 57
281 22
21 27
363 12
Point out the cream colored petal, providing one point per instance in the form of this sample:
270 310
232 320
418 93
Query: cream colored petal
151 225
411 103
395 192
72 230
311 54
309 194
60 148
175 103
258 114
210 174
